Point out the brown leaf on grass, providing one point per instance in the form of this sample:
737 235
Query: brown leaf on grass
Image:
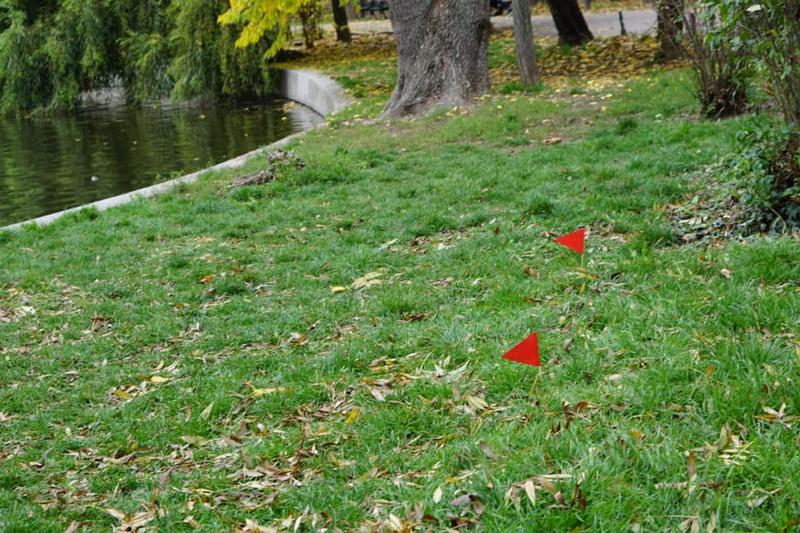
191 522
712 523
297 339
5 315
478 403
779 416
205 280
251 526
193 440
367 280
377 393
73 527
552 140
488 451
726 273
207 411
530 271
547 485
757 497
469 499
578 499
691 525
415 317
691 467
132 522
100 323
437 495
545 482
530 491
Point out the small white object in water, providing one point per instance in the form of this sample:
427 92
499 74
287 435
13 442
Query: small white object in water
95 179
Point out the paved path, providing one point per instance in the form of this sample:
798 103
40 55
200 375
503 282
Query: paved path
602 24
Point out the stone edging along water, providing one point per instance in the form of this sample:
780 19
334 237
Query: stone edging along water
314 90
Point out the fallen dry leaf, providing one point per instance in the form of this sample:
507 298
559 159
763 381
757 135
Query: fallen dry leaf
530 491
133 522
251 526
353 415
367 280
257 393
488 451
757 497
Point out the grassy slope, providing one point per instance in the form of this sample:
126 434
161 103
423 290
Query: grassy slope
263 364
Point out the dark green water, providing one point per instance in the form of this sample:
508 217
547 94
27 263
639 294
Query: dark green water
50 164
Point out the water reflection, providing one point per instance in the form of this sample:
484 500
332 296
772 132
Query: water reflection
50 164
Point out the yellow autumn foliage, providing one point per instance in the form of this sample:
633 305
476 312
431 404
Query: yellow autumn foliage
258 17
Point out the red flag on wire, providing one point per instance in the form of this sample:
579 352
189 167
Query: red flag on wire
526 352
574 241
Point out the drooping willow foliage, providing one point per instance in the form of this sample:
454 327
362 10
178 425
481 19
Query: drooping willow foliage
51 51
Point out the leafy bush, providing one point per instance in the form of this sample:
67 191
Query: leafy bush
752 171
768 31
720 68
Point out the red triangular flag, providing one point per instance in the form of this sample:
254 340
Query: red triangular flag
526 352
574 241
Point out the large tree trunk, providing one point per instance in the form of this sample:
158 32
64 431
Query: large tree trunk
670 26
523 41
442 53
340 22
571 26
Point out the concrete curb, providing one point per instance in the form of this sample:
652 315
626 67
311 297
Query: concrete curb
314 90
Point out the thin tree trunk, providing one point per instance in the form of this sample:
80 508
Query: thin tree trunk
523 41
442 53
572 27
340 22
670 25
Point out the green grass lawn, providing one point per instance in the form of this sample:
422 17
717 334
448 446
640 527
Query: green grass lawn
325 350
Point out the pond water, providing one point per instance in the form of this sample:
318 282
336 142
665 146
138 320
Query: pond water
50 164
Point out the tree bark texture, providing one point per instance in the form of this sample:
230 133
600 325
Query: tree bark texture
523 42
670 25
442 53
569 21
340 22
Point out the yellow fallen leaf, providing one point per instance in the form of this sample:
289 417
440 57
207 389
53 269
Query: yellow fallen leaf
193 440
338 289
367 280
157 380
353 416
257 393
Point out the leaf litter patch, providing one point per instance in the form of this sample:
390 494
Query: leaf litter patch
719 210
